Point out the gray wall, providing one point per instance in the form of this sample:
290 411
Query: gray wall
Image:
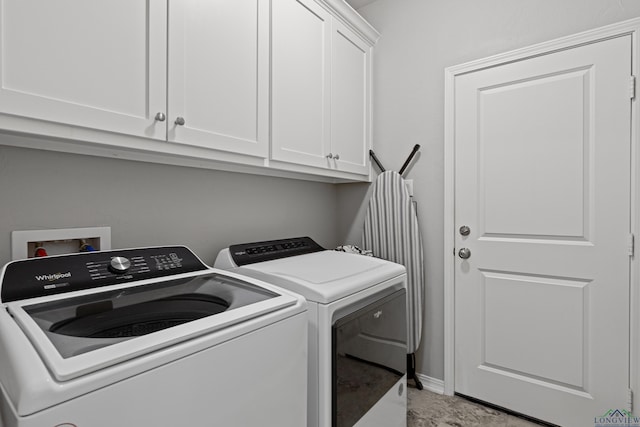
149 204
419 38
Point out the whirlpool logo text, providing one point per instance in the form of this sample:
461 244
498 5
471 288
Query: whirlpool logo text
52 277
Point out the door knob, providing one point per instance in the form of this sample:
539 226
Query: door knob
464 253
465 230
180 121
160 117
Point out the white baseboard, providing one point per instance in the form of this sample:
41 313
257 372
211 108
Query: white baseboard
432 384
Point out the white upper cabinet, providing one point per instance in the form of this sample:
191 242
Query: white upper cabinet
104 66
301 48
99 65
350 100
279 87
219 75
320 89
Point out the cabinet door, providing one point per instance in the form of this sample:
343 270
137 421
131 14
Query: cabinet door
301 45
350 101
98 65
219 74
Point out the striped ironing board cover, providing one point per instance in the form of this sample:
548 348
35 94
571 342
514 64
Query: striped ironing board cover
391 231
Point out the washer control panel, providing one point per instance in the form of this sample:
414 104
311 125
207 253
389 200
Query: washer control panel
249 253
37 277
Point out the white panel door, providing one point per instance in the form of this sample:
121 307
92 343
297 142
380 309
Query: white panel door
99 65
542 161
219 75
301 50
349 100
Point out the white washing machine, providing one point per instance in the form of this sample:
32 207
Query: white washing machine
357 326
148 337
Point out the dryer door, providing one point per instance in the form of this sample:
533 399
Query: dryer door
369 357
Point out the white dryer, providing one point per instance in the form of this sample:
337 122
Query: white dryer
357 326
147 337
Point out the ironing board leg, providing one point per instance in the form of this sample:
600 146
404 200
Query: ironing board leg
411 370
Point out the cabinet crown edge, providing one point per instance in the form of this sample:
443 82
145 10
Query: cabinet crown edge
350 17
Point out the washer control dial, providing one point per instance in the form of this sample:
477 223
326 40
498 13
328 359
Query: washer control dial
119 265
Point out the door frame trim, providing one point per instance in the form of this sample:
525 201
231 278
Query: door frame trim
630 27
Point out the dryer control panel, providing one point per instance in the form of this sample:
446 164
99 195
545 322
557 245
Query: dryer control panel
36 277
249 253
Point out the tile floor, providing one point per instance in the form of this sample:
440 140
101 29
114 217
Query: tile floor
428 409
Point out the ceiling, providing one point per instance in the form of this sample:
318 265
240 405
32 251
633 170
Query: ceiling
356 4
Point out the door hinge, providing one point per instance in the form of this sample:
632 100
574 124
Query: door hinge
631 244
632 87
630 401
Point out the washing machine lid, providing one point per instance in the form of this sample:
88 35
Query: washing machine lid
325 276
94 327
90 330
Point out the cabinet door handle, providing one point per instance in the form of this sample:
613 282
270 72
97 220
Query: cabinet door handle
180 121
160 117
337 157
329 156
